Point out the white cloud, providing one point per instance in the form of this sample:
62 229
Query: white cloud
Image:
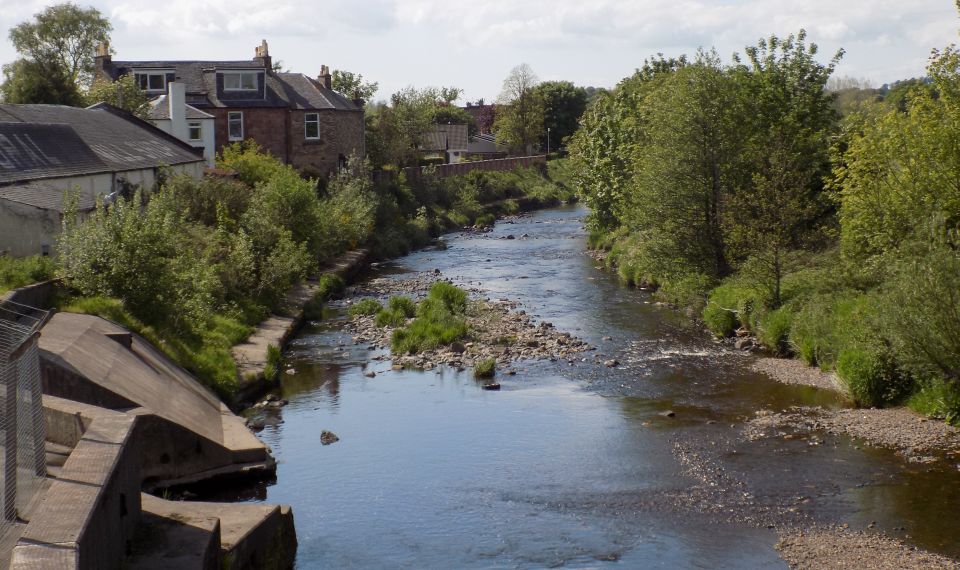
474 44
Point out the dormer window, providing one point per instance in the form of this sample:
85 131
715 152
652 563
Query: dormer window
240 80
151 80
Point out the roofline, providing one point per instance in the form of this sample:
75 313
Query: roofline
123 114
59 210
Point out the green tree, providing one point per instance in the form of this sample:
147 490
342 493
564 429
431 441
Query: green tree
63 37
352 86
563 105
790 120
605 148
689 165
123 93
519 122
28 81
451 115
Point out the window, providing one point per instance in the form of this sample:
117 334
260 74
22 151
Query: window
240 81
195 130
152 81
235 126
311 126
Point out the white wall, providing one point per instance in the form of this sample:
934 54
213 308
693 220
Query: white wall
207 143
25 229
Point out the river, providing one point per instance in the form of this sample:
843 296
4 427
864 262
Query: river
569 465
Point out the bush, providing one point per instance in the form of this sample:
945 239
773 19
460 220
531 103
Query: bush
871 376
938 399
403 305
485 220
331 286
313 310
485 368
18 272
365 307
774 330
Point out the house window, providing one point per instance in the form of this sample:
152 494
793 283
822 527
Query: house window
240 81
235 125
195 130
311 126
153 81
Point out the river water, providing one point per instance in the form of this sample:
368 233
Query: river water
569 465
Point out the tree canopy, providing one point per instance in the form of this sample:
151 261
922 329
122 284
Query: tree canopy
352 85
519 120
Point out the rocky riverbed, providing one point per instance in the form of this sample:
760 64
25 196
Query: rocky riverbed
499 329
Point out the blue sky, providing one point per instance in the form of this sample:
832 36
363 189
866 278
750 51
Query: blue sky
473 45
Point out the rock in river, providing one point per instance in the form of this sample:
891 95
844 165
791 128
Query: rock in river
328 437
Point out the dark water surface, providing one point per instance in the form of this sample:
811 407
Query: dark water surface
569 465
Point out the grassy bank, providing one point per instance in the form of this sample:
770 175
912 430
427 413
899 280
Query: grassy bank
17 272
194 265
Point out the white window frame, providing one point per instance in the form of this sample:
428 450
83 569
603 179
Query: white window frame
231 117
307 121
143 80
239 75
191 125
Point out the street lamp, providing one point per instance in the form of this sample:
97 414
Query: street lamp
548 143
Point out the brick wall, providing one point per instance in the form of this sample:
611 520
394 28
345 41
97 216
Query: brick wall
266 126
341 133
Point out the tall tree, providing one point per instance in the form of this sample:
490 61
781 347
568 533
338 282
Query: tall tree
28 81
63 37
563 105
519 122
790 121
353 86
124 93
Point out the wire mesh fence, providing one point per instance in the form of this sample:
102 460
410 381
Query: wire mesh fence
22 433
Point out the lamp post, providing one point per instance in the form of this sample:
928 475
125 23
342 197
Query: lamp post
548 143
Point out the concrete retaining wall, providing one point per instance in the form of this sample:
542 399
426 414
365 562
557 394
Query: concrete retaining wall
89 514
38 295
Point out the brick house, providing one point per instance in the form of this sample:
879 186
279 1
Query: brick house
298 119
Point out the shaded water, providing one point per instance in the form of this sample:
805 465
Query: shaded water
569 465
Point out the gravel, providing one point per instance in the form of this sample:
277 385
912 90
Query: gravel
792 371
836 548
912 436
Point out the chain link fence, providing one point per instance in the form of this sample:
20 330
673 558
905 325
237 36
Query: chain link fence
22 432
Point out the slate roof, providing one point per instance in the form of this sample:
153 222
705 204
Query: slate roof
285 90
42 143
446 137
159 110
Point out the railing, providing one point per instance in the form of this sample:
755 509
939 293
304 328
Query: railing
22 433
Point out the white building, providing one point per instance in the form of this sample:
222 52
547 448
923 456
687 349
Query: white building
48 151
171 114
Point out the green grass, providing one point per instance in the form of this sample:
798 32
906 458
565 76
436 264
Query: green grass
274 362
938 399
439 321
390 318
774 330
18 272
207 355
365 307
403 305
486 368
331 286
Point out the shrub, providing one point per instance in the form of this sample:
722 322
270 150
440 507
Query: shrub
484 220
939 399
365 307
774 330
485 368
313 310
403 305
437 321
331 286
720 314
871 375
17 272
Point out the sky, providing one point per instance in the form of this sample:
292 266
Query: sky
473 45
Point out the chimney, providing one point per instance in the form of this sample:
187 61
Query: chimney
103 62
177 104
262 55
357 99
325 78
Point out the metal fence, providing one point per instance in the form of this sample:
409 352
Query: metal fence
22 432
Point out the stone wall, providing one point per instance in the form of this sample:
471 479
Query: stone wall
500 164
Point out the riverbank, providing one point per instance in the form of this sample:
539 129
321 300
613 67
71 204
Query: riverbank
814 549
